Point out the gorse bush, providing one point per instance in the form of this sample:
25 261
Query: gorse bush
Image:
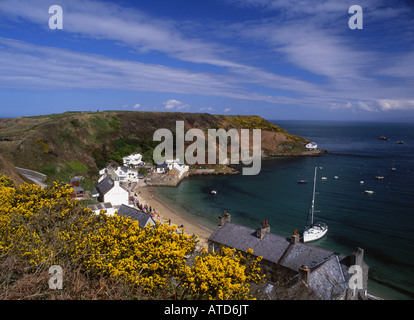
44 227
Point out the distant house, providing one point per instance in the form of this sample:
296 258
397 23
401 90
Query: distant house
173 166
144 219
177 165
122 173
111 191
78 192
312 272
132 175
312 146
161 168
132 160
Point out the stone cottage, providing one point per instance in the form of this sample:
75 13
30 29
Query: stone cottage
294 270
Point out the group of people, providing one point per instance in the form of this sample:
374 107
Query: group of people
148 209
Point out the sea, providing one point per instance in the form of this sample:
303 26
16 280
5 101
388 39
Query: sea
382 222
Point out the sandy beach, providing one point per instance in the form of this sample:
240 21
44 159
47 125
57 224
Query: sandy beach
148 195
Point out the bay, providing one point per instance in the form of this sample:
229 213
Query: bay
381 223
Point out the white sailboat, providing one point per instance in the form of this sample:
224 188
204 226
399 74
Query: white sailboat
317 229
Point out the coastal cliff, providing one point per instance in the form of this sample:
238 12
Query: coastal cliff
81 143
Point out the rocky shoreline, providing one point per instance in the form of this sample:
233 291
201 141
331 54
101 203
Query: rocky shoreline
173 180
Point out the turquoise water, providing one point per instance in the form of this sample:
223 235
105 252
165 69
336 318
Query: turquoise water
381 223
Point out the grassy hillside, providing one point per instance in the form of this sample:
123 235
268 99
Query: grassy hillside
81 143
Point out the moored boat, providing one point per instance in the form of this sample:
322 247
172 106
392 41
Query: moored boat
317 229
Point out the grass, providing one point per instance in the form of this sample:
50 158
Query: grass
76 167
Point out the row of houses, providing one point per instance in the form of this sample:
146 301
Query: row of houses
295 270
144 219
129 172
114 198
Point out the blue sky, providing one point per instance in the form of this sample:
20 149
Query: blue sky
280 59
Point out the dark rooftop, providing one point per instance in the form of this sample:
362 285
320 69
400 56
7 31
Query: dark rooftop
105 185
100 206
328 281
304 254
135 214
271 247
162 165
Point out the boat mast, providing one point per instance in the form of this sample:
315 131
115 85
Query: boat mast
313 196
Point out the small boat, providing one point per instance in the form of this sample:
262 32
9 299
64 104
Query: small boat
302 181
324 178
393 168
214 191
362 182
369 192
382 138
379 177
336 177
400 142
318 229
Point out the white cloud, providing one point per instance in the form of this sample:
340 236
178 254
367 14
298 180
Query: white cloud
328 69
390 105
126 25
136 106
175 104
34 67
227 110
207 109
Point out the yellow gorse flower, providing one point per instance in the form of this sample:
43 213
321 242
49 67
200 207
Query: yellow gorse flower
45 226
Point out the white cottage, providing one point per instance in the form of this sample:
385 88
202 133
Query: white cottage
132 160
111 191
312 146
122 173
176 164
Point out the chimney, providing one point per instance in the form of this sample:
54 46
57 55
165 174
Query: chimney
357 258
304 274
224 218
295 237
261 231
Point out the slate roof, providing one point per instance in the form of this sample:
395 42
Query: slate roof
271 247
304 254
135 214
124 169
100 206
162 165
329 275
105 185
328 281
78 189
